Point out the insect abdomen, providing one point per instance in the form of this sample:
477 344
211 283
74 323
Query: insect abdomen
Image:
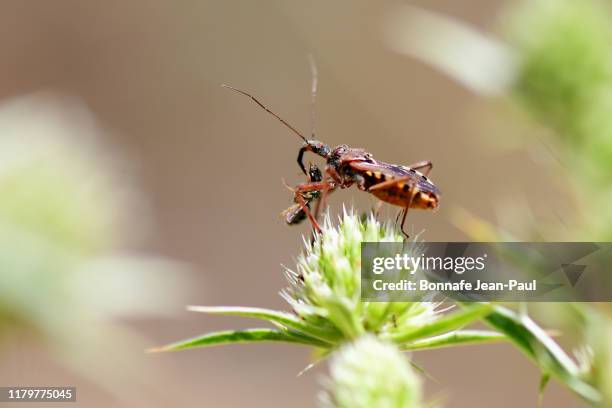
400 193
397 196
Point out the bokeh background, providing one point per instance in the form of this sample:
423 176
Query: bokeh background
206 165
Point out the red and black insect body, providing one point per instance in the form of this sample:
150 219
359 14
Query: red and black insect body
402 186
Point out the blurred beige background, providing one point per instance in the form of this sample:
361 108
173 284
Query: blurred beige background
211 163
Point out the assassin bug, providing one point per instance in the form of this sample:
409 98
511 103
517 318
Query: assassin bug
402 186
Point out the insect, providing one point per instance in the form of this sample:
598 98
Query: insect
403 186
295 214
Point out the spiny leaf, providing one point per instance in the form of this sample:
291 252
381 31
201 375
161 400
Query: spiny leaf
542 349
240 336
456 338
285 319
447 323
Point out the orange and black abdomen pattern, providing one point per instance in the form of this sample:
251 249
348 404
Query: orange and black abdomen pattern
417 191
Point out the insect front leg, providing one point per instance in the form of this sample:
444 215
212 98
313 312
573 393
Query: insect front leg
306 210
300 189
294 214
336 179
322 202
333 173
426 165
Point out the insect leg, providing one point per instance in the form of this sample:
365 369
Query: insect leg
404 212
376 209
322 202
397 218
425 164
306 187
294 214
336 180
388 183
306 210
412 194
300 158
335 176
333 181
413 191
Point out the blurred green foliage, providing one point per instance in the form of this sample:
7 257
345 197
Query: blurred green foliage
66 214
553 59
59 210
566 71
565 80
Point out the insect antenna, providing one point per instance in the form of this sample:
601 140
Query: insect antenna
315 81
267 110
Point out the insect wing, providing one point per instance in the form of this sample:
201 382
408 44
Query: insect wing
392 171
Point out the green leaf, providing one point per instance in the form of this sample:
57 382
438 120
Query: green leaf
542 349
328 335
456 338
449 322
240 336
543 383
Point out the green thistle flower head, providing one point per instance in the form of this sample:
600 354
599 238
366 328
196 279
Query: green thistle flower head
371 373
325 290
325 296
